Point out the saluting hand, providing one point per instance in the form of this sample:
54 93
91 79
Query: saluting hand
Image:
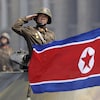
30 17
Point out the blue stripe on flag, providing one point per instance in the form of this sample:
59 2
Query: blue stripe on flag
66 86
78 38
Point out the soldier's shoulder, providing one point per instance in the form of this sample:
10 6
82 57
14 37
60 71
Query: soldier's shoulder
50 31
51 34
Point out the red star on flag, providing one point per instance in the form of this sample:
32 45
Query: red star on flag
86 60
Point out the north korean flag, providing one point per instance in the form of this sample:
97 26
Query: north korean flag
66 65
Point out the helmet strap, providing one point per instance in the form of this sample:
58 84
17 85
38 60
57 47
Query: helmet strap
40 25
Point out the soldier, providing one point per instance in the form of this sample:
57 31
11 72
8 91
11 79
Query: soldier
5 52
39 34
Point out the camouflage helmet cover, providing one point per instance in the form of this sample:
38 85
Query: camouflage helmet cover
47 12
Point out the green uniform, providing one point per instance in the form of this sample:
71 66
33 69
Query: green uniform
31 33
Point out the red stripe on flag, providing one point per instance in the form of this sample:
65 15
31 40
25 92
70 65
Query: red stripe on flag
61 63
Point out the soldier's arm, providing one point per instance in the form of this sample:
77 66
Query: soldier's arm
18 25
52 36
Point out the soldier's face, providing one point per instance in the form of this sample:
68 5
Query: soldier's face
43 19
4 40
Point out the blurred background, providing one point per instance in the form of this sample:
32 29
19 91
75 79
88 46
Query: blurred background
70 17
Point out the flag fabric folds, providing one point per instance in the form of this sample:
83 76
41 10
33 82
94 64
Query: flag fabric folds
66 65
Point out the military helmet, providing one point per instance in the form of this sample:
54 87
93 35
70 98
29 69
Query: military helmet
5 35
47 12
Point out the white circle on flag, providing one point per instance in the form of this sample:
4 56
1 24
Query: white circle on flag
86 61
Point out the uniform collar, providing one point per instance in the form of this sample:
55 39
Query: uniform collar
42 29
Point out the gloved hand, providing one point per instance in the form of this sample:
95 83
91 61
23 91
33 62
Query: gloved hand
26 58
